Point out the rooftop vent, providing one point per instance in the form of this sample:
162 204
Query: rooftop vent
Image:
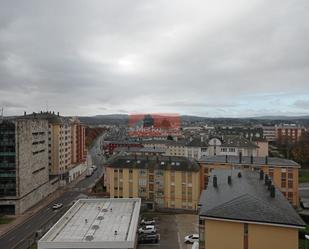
239 174
95 227
100 217
266 179
115 233
104 210
229 180
261 175
215 183
89 237
272 191
269 184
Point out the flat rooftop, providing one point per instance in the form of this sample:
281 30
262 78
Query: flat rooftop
91 223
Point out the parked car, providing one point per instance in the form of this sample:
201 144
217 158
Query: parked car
192 238
57 206
148 238
145 222
147 229
89 172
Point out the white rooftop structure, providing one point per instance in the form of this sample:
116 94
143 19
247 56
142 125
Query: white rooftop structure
96 223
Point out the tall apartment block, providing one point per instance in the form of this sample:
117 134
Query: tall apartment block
24 178
78 149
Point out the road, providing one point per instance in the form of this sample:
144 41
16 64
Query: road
20 236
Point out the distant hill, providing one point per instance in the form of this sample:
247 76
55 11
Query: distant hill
122 119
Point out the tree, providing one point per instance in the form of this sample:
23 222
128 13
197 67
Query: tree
300 151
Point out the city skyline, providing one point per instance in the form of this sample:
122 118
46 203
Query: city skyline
223 59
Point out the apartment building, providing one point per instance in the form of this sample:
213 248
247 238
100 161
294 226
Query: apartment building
171 147
196 148
24 176
283 172
78 149
242 209
269 132
161 181
59 145
288 133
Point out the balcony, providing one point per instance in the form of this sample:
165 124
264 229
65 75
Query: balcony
7 165
7 153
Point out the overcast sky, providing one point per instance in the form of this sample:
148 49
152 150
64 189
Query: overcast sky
199 57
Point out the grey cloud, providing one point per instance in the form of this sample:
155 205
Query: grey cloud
197 57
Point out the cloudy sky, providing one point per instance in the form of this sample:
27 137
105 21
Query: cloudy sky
200 57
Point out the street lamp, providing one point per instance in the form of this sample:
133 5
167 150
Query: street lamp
307 238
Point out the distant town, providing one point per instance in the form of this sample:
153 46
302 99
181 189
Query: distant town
125 181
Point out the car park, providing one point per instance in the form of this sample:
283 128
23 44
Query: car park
147 230
57 206
192 238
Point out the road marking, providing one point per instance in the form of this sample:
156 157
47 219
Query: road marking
179 240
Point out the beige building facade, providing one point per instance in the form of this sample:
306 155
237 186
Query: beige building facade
167 182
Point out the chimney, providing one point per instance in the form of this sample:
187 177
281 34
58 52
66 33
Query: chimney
25 113
240 157
251 159
266 179
226 159
229 180
58 114
215 183
53 112
269 184
272 191
261 175
266 160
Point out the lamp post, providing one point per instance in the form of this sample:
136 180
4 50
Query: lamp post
307 238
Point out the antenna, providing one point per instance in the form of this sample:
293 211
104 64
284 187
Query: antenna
1 117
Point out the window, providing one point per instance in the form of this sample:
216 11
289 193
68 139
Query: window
290 183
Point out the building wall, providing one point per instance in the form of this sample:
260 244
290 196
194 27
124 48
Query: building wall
262 151
220 234
60 147
168 189
232 235
284 178
32 155
264 237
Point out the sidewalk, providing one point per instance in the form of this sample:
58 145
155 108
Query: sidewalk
20 219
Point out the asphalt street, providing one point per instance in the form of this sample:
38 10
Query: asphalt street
20 236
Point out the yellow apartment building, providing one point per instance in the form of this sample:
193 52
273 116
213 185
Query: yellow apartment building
161 181
237 211
59 145
283 172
